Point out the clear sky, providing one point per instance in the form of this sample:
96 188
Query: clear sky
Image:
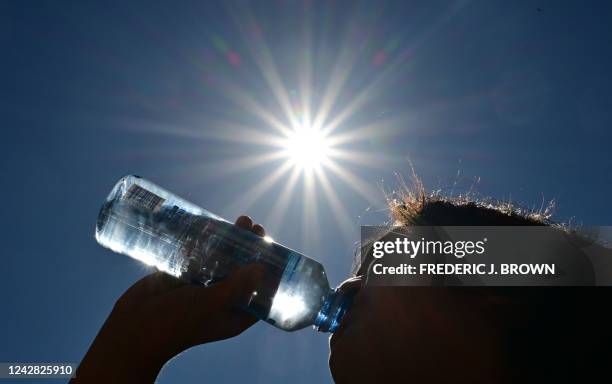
195 95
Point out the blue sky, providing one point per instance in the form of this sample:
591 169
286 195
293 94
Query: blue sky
515 94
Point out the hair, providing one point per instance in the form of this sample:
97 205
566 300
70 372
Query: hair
412 205
567 336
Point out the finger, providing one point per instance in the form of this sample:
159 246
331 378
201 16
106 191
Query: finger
259 230
235 290
238 322
231 324
244 222
153 285
244 282
218 306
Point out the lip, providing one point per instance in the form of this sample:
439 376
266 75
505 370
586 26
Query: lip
342 328
353 284
333 339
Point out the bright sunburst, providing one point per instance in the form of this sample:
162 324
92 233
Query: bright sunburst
313 134
307 147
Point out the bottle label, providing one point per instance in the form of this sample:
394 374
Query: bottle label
143 198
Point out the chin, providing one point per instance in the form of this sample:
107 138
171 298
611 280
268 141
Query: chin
349 361
341 361
340 369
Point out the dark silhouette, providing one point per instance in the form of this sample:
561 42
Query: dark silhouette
391 334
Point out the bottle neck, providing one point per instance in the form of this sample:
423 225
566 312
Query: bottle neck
334 307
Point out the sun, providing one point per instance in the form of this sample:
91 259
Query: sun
307 147
304 136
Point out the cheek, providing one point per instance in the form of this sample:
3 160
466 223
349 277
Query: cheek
347 349
351 359
368 342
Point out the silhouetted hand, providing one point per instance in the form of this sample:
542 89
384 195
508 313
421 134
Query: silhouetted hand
161 316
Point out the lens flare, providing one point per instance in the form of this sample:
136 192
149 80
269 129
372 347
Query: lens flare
308 124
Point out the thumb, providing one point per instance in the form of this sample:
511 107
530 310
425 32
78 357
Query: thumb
243 283
236 290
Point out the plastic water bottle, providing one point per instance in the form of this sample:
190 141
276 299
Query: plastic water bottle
150 224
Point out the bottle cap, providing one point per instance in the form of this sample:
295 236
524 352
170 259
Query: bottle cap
335 306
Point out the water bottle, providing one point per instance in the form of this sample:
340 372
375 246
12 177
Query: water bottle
150 224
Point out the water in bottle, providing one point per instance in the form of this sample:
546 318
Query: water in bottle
150 224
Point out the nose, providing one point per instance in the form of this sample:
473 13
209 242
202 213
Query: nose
351 286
